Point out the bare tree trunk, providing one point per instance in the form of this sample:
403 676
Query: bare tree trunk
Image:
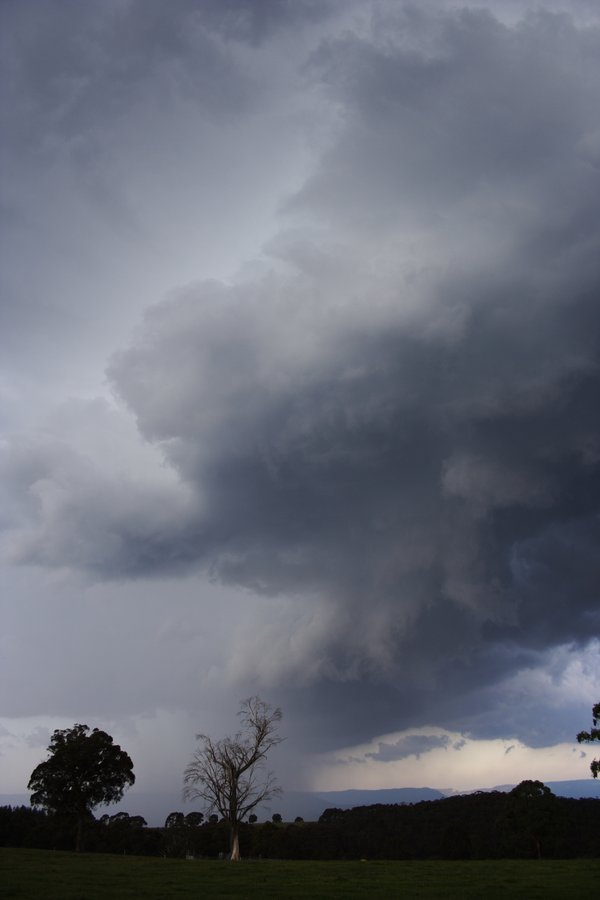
235 843
79 835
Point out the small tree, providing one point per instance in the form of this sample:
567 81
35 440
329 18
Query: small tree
229 775
175 820
593 735
194 819
83 770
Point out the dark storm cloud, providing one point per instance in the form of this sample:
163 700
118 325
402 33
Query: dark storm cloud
410 745
446 492
399 420
457 107
247 20
69 68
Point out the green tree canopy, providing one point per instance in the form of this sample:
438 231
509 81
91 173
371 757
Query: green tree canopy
175 820
84 769
194 819
586 737
531 790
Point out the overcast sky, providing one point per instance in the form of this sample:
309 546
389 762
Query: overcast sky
299 385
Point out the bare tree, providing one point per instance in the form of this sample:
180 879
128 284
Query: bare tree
229 775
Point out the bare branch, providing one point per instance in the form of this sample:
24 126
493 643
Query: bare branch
228 775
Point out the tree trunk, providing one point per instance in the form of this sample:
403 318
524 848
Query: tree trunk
235 843
79 835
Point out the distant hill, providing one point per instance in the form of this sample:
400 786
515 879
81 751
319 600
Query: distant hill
590 787
155 807
577 789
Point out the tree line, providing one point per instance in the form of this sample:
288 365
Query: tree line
86 769
527 822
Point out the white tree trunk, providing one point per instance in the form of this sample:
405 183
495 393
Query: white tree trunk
235 844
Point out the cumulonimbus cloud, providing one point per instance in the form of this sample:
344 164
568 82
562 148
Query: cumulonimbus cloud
399 416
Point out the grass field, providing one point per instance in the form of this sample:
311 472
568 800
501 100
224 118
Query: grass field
47 875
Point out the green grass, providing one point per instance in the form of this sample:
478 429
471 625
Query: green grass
47 875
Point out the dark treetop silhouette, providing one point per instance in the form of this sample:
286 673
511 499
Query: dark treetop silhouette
84 770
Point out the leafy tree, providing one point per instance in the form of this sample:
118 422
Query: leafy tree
531 790
194 819
84 770
593 735
175 836
530 814
122 833
228 775
276 818
137 822
175 820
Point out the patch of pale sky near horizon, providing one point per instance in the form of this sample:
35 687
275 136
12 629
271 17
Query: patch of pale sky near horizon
463 765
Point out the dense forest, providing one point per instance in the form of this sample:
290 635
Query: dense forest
529 821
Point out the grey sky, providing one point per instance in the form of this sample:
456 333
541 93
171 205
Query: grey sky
299 375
